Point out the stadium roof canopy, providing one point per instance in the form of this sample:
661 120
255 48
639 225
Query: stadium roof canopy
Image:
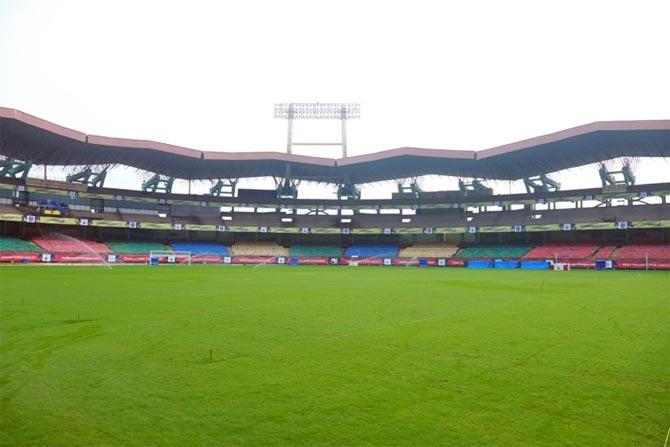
26 137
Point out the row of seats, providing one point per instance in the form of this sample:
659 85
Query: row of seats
493 252
201 248
137 247
564 252
331 251
61 243
428 250
372 251
14 244
259 249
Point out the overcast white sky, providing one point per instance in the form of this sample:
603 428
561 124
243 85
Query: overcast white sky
436 74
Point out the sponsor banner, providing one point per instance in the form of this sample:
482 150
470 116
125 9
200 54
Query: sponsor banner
81 258
325 230
206 259
363 261
133 259
11 217
254 260
498 229
456 263
594 226
405 261
57 220
304 260
155 226
366 230
290 230
239 229
451 230
108 223
641 265
408 230
20 257
650 223
195 227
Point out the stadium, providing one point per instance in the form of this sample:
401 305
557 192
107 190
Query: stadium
621 225
257 317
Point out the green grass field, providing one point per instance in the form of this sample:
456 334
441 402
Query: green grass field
333 356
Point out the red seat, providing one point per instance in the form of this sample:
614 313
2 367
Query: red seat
59 243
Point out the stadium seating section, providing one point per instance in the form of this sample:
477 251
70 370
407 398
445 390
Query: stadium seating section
201 248
259 249
137 247
605 252
563 252
17 245
493 252
372 251
428 250
331 251
60 243
640 252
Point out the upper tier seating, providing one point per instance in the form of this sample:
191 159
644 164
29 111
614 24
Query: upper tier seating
640 252
137 247
61 243
372 251
331 251
201 248
14 244
428 250
493 252
562 251
259 249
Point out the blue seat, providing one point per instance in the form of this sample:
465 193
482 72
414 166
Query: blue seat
201 248
372 251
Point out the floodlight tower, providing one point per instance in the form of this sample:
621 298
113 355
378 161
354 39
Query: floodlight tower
318 111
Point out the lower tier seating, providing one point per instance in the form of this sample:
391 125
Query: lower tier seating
61 243
604 252
259 249
372 251
493 252
15 244
201 248
137 247
331 251
640 252
562 251
428 250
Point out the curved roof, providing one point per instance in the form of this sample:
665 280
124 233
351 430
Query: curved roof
27 137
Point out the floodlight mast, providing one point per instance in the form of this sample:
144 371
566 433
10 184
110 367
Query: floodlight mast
317 110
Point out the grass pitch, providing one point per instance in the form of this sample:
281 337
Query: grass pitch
332 356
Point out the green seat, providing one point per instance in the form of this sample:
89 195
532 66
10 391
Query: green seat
493 252
137 247
331 251
14 244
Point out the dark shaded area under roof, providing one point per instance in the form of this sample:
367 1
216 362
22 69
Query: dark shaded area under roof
26 137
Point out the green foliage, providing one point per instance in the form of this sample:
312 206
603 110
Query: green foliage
332 356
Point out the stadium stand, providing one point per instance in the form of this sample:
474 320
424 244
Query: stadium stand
11 244
60 243
640 252
137 247
493 252
562 251
201 248
259 249
428 250
372 251
331 251
605 252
